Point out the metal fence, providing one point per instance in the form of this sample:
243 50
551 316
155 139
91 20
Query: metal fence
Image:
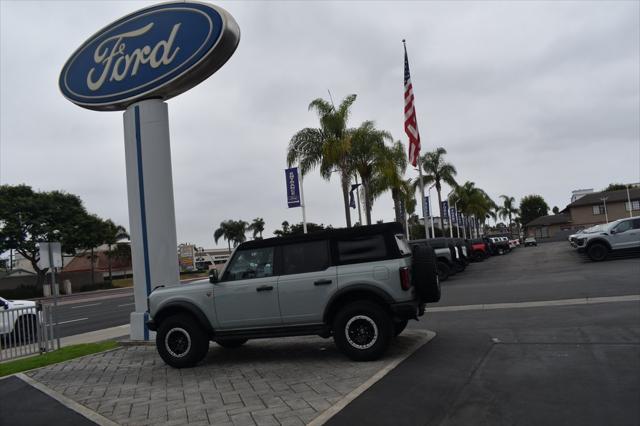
27 331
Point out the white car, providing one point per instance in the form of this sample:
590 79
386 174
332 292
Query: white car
18 319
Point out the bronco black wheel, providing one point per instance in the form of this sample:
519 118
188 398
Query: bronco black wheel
363 330
181 342
597 252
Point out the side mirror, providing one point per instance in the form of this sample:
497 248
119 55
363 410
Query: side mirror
613 231
213 276
4 305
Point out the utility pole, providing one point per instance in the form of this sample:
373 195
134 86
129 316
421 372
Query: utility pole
606 216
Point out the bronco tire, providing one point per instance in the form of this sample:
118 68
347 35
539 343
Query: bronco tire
362 330
231 343
181 342
597 252
424 274
443 271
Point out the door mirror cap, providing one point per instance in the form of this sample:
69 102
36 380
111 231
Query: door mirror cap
213 276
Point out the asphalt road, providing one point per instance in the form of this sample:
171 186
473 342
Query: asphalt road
570 365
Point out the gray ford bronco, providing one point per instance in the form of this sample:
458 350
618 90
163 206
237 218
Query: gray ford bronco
360 285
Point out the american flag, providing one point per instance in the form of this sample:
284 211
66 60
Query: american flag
410 120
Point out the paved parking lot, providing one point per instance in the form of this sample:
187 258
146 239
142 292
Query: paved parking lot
266 382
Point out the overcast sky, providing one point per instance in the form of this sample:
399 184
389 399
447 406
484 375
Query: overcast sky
528 97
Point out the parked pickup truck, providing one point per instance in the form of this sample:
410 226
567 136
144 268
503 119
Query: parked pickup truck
623 234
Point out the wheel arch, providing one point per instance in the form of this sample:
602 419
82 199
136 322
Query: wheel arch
182 307
599 241
354 293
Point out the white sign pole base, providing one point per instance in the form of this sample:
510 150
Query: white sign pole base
152 220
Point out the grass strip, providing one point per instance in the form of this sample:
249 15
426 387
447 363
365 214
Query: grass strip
62 354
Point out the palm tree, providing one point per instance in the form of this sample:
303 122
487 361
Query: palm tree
238 231
327 146
257 226
472 201
437 171
368 157
113 234
225 231
390 176
508 208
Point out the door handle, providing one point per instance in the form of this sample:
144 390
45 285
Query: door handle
322 282
264 288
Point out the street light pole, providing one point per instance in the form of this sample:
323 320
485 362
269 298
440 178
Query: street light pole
304 212
606 216
449 214
629 201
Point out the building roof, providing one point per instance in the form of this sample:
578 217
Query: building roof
554 219
619 196
82 263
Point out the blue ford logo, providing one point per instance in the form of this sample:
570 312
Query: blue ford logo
157 52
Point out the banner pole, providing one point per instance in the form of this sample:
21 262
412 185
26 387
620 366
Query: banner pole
450 217
304 212
424 216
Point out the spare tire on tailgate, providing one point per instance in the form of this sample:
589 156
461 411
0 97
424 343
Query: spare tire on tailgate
425 273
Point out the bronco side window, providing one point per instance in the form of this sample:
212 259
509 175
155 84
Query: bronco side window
299 258
362 249
251 263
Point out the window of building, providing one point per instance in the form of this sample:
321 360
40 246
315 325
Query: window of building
252 263
312 256
598 209
635 205
362 249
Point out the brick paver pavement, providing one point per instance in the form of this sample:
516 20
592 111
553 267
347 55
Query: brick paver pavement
286 381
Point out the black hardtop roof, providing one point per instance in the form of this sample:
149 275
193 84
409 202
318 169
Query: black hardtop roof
338 233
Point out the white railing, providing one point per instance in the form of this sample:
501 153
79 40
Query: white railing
26 331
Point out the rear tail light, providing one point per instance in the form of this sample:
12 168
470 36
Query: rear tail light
405 278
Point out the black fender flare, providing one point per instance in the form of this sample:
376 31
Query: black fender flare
353 290
183 306
598 241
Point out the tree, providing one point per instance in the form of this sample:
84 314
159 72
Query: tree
224 231
113 234
328 146
437 171
508 209
257 226
298 228
555 210
472 201
238 231
390 176
615 187
532 207
368 157
28 217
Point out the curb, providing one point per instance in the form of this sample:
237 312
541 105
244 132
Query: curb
69 403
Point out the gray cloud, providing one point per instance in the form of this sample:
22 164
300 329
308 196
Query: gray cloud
527 97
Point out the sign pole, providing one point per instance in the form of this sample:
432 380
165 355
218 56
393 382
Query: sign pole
152 220
54 290
304 212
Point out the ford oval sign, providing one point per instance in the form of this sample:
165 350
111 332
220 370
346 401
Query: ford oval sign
157 52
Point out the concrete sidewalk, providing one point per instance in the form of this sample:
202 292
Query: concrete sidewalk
287 381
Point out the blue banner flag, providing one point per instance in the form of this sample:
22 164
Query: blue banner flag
352 200
452 212
427 213
293 188
445 208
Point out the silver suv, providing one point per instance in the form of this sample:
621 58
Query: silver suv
360 285
623 234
